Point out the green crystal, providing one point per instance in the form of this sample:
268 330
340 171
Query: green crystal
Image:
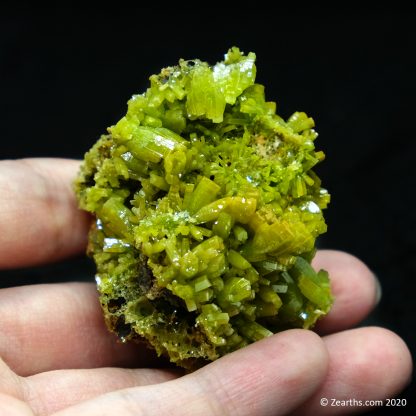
207 211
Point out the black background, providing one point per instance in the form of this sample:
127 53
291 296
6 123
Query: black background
66 74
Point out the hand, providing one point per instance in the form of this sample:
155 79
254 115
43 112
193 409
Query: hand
58 357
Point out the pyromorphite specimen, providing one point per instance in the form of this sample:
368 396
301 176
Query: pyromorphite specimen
207 211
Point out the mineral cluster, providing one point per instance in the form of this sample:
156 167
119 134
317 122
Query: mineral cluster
206 214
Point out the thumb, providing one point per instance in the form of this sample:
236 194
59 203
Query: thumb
271 377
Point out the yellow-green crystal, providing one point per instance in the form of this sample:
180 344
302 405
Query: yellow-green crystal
207 211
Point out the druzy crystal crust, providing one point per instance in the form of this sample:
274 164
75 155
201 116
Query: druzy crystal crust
207 211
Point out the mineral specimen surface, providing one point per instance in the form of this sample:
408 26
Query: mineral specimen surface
207 211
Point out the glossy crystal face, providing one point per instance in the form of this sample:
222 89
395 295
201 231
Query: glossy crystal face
207 211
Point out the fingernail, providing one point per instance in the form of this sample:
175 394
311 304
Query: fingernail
379 290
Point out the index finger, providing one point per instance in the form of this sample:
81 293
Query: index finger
39 218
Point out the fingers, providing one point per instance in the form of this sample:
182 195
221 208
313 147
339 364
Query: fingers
48 327
39 219
365 364
61 326
270 377
354 288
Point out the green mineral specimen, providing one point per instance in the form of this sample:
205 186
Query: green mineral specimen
207 211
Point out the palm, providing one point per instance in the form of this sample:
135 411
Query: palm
59 357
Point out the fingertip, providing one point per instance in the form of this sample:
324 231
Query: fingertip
391 360
378 359
355 288
365 364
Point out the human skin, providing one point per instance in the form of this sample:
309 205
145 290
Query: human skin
58 357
